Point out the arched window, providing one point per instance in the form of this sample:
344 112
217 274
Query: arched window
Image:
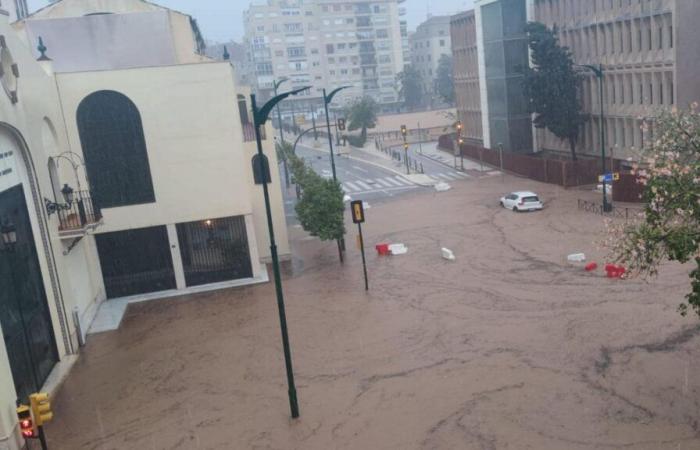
257 175
114 149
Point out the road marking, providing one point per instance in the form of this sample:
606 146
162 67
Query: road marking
363 184
443 176
360 169
462 174
392 181
383 182
402 181
387 190
352 187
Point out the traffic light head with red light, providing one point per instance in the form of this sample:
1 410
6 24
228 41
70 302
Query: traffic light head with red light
26 424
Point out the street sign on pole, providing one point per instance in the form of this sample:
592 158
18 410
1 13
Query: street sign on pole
358 217
609 177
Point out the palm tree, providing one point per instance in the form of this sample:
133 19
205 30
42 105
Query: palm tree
362 114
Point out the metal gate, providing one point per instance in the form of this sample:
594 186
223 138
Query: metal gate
136 261
214 250
24 311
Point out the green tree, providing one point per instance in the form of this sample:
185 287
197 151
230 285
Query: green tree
362 114
410 87
551 86
320 208
444 83
670 227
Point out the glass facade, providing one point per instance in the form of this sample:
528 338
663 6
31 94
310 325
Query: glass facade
505 59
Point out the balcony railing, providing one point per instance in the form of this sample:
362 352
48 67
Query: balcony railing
81 214
249 132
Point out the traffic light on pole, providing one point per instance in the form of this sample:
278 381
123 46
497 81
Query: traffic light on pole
404 130
41 408
459 127
26 424
341 124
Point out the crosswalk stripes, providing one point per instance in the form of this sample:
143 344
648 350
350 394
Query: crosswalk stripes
394 182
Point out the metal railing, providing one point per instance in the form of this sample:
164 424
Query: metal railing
81 213
615 213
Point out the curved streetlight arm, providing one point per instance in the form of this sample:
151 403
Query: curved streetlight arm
294 147
261 115
328 98
280 81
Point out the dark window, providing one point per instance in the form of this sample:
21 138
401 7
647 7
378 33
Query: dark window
114 148
214 250
257 174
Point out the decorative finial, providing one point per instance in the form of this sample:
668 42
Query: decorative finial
42 49
227 56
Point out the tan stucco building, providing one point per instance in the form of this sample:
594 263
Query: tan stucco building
156 142
465 72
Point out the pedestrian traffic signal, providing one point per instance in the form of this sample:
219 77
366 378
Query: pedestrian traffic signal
404 130
26 424
358 211
341 124
41 408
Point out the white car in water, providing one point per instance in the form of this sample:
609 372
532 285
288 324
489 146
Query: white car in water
521 201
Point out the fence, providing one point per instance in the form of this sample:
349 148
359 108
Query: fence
616 212
548 169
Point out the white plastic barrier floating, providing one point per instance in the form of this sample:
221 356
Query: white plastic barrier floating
576 257
448 254
442 187
398 249
347 198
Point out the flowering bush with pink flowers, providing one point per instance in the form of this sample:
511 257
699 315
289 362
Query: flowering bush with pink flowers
670 229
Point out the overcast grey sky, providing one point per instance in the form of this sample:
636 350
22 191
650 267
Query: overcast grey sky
221 20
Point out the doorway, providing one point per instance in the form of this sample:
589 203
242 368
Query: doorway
24 311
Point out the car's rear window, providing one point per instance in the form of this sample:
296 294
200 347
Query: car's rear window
530 199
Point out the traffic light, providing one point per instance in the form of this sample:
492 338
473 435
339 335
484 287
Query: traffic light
41 408
26 424
405 147
459 127
341 124
404 130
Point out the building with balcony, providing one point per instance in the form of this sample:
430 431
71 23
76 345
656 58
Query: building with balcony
326 44
465 73
122 178
650 57
428 43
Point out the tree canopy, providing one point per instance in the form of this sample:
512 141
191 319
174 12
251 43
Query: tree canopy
670 228
362 114
410 87
551 86
444 82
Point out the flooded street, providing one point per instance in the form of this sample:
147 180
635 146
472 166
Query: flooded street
508 347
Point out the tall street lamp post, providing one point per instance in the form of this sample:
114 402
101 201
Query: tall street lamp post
276 85
598 71
327 98
260 116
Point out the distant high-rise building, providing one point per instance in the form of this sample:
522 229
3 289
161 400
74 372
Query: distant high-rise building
326 44
430 41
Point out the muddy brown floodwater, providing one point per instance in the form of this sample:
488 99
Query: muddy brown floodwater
508 347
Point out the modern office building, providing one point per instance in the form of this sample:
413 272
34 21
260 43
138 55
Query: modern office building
326 44
650 56
430 41
126 173
465 72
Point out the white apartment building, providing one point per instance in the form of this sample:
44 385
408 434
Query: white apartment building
430 41
650 56
327 44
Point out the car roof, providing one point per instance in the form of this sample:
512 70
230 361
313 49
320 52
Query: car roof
525 193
